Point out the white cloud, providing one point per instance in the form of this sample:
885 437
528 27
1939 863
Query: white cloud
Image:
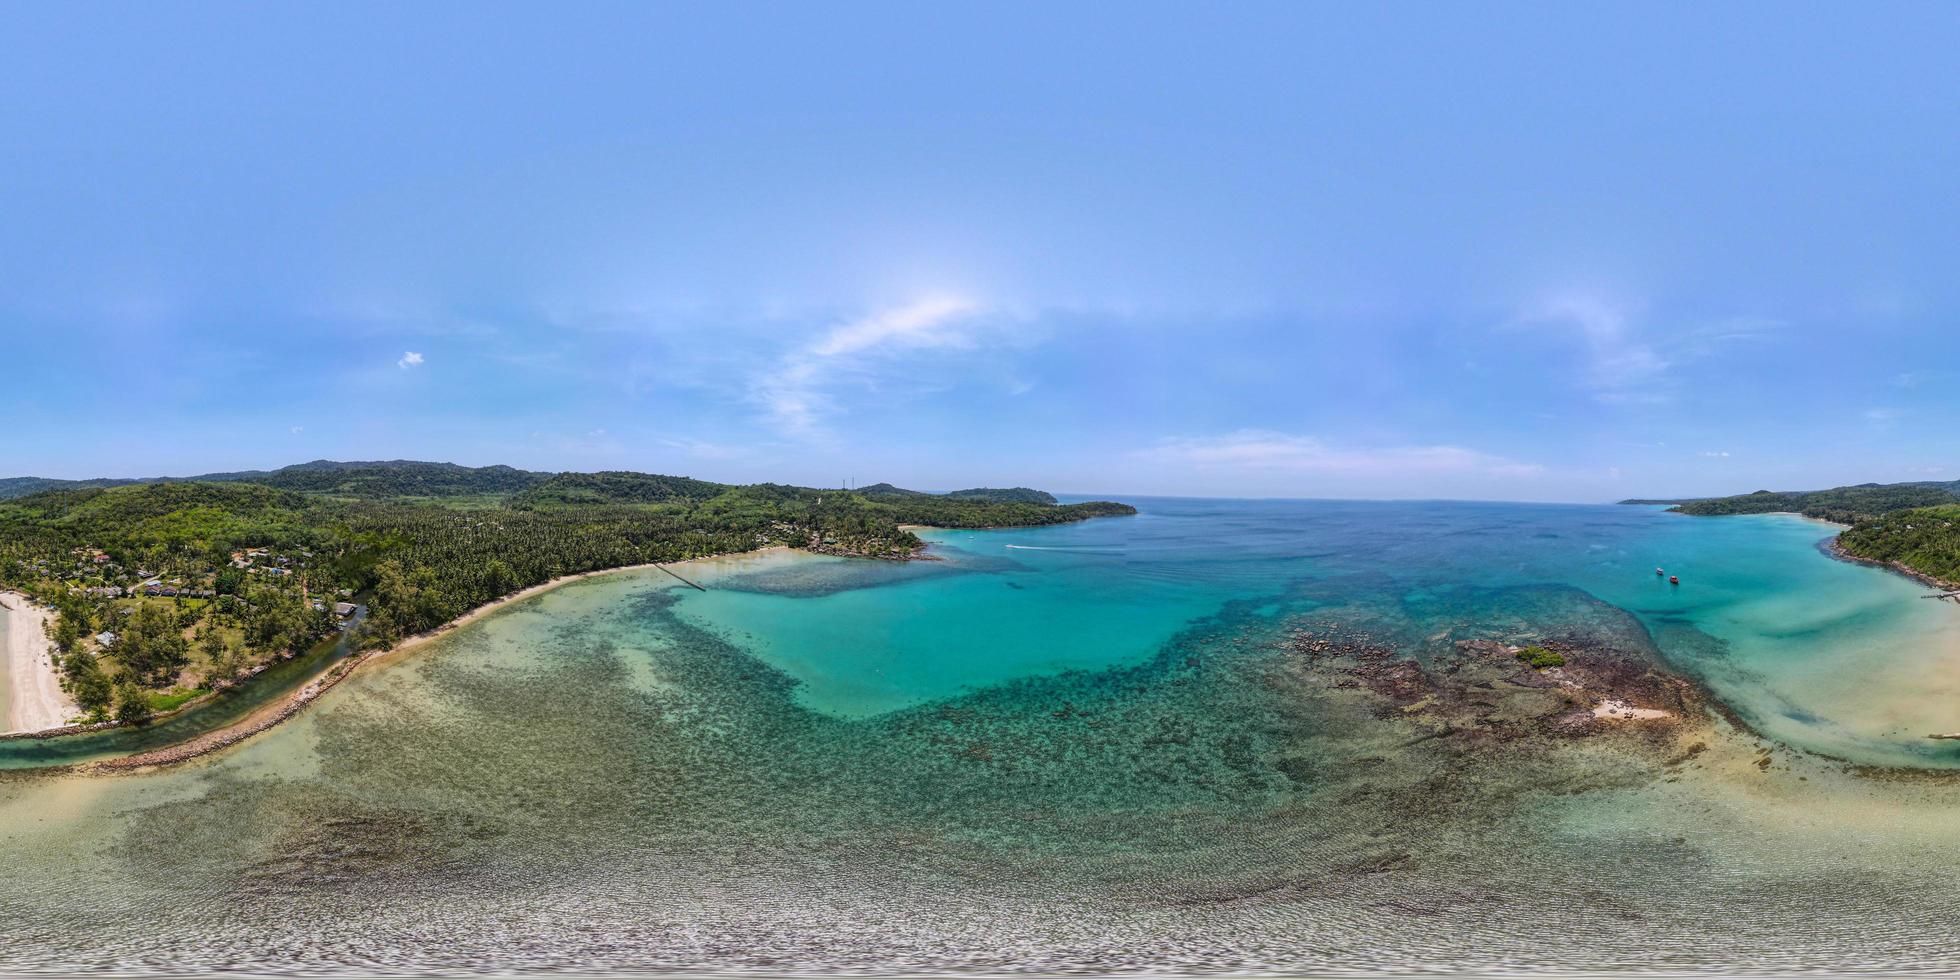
796 392
1626 364
297 429
925 324
409 359
1716 454
1256 450
1882 418
1619 365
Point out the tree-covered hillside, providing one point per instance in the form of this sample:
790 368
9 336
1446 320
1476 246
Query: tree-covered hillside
1842 504
398 478
21 486
616 487
1926 540
1011 495
390 478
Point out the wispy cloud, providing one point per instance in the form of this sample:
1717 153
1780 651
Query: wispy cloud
1258 450
1625 362
1882 418
409 359
797 392
590 443
1716 454
1619 364
1747 328
1914 379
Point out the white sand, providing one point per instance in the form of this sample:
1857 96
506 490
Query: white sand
33 699
1614 709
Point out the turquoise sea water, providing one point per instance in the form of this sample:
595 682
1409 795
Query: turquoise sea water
1836 657
1073 748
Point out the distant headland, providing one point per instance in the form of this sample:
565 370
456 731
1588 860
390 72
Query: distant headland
1912 528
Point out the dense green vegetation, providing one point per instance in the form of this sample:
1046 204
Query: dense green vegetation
169 587
1012 495
1539 658
393 478
1926 540
400 478
21 486
616 488
1845 505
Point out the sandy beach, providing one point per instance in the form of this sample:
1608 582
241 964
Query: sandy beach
33 698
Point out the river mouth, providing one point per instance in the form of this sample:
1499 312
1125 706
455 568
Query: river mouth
225 708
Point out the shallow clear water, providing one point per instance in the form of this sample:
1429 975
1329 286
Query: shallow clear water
626 775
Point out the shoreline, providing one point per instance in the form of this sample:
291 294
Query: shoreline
1836 550
1832 547
279 711
35 701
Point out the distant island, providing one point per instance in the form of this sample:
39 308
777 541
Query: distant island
1913 528
161 590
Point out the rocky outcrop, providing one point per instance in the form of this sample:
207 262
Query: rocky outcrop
1487 690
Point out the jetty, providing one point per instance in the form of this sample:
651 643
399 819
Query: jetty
678 576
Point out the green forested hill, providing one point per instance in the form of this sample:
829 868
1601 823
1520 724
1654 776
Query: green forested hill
1842 504
398 478
390 478
616 487
1926 540
21 486
1012 495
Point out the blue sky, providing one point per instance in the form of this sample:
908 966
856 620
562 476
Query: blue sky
1511 251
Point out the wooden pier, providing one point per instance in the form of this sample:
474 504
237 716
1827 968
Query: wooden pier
678 576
